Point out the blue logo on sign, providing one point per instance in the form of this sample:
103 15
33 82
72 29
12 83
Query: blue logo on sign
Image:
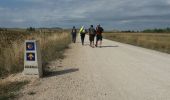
30 56
30 46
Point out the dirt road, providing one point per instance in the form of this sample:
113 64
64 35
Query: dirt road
114 72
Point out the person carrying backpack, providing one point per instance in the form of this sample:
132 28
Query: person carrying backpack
92 33
74 34
82 34
99 31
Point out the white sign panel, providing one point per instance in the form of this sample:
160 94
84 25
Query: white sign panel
32 58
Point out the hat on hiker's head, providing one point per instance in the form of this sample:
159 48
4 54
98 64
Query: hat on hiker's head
73 26
91 25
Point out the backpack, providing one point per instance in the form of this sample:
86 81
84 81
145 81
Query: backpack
92 31
99 30
82 30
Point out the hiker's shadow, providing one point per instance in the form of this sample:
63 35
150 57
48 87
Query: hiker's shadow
61 72
109 46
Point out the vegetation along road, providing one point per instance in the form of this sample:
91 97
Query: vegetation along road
114 72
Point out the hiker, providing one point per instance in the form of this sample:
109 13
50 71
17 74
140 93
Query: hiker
82 34
99 31
74 34
92 33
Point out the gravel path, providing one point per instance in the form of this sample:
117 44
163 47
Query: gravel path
114 72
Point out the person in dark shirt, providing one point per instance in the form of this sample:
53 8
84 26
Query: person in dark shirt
74 34
92 33
99 31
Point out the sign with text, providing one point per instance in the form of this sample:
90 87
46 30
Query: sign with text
32 58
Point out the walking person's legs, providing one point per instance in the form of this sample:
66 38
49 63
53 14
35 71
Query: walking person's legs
97 39
93 41
90 38
82 39
100 43
74 38
96 43
100 40
93 44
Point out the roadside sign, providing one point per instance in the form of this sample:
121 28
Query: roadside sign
32 58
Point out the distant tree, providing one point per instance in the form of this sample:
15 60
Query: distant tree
30 29
129 31
1 29
157 30
5 29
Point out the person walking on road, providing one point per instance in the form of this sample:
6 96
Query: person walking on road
82 34
99 31
74 34
92 33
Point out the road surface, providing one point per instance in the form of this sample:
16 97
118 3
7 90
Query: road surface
114 72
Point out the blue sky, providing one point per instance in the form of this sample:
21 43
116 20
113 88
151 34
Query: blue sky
111 14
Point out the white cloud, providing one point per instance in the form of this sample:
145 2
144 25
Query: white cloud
34 1
1 9
68 12
18 20
168 1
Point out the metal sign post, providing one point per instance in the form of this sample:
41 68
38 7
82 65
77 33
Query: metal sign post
32 58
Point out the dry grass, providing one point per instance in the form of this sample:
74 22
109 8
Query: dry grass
11 51
9 90
52 43
155 41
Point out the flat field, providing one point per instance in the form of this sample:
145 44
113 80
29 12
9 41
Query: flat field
155 41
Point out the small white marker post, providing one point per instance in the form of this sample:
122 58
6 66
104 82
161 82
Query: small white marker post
32 58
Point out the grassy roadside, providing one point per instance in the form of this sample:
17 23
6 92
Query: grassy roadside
9 90
12 48
155 41
52 46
